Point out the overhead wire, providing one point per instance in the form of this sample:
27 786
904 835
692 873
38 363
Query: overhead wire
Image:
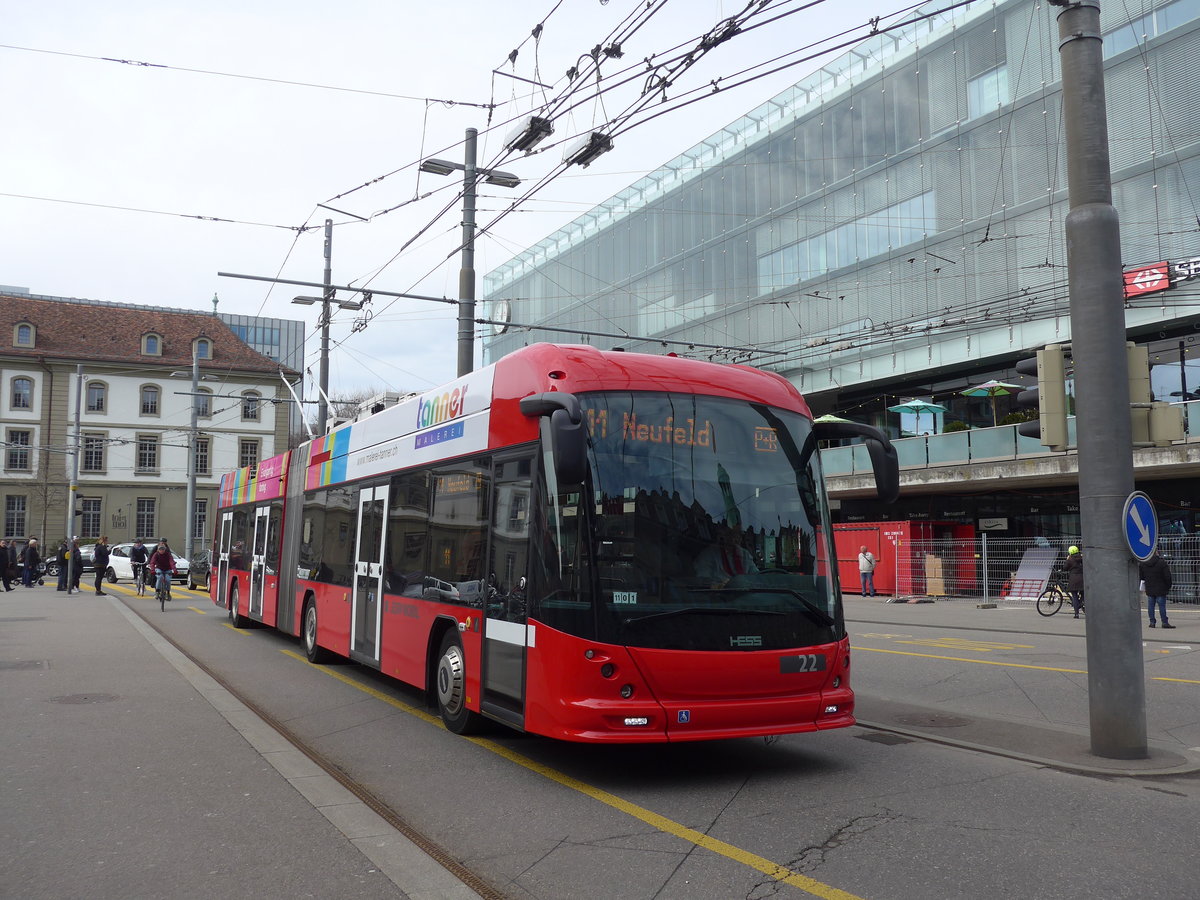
282 81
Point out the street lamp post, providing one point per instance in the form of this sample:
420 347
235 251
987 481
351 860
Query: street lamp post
189 514
466 274
71 527
189 522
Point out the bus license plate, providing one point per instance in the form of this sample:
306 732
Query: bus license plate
805 662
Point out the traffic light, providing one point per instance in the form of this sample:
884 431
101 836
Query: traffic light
1153 424
1138 360
1049 398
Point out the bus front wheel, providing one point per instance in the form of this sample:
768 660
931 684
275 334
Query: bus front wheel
451 679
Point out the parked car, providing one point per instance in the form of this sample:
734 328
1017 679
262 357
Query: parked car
199 569
87 558
121 569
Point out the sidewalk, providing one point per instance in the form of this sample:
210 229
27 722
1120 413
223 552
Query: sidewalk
126 771
1058 745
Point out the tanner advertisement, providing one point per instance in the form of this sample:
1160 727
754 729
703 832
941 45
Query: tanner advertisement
450 421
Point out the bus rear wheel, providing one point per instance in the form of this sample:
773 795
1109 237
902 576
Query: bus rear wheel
451 681
235 617
314 652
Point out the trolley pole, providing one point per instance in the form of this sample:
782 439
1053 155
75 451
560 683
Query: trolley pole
1116 685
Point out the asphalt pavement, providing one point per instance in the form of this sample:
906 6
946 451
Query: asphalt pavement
1059 744
126 771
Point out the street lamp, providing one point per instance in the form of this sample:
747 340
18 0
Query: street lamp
189 515
466 274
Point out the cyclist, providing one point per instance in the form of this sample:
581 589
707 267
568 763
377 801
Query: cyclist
138 554
162 565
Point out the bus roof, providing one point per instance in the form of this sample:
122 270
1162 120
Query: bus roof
479 411
579 368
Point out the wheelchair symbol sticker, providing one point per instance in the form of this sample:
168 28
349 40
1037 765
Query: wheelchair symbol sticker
684 716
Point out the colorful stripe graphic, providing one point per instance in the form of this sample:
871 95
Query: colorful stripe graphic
327 459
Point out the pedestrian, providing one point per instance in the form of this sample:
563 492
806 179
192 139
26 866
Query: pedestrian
30 558
866 570
76 564
100 558
1074 569
63 557
1156 575
8 564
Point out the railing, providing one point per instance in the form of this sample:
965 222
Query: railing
976 445
990 568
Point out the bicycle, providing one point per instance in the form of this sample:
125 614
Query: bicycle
139 579
1052 599
163 588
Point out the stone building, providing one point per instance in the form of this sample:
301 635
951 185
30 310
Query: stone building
133 401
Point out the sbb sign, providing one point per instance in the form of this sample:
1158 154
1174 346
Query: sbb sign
1147 279
1182 271
1154 277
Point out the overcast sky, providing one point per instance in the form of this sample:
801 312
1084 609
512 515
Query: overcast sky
104 165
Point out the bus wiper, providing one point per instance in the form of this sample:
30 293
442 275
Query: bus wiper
700 610
814 612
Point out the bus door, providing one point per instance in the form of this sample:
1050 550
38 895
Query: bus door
368 574
258 560
223 557
505 630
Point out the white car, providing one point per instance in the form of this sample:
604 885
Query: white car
121 569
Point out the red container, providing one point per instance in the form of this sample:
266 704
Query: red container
903 550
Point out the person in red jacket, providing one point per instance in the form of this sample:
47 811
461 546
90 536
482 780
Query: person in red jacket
162 565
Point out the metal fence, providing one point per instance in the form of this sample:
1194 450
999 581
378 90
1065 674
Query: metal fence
1015 569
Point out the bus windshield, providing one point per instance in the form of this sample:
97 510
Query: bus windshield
704 527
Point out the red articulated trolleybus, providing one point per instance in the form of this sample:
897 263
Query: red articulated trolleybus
587 545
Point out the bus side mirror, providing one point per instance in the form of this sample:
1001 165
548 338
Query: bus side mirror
884 461
568 437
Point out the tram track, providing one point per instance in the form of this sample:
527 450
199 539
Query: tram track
429 847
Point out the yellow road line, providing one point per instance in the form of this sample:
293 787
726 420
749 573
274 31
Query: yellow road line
198 611
243 631
993 662
773 870
955 644
981 662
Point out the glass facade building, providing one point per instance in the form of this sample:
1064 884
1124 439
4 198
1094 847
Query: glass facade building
893 225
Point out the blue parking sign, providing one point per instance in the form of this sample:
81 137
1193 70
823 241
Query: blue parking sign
1141 525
